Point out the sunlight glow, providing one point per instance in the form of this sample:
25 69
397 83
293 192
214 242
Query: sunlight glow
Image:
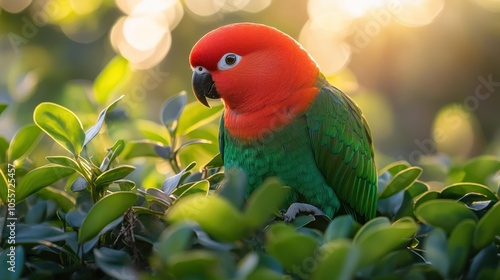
143 37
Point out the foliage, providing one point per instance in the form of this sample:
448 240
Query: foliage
79 217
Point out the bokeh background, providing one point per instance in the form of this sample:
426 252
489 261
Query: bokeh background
425 72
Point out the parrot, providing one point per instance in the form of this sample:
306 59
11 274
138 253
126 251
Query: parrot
282 118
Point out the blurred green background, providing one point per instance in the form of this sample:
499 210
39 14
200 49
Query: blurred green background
425 72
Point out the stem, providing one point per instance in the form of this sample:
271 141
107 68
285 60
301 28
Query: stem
173 160
85 172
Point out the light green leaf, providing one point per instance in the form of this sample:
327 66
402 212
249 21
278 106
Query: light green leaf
39 178
395 167
4 146
94 130
104 212
62 198
196 115
3 106
379 240
60 124
23 141
338 260
487 228
175 239
64 161
140 148
458 190
3 186
402 180
114 174
264 202
112 154
109 78
444 213
199 187
215 215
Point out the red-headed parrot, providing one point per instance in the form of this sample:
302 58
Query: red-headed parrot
282 118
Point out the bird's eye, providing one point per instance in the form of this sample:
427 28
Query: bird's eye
229 60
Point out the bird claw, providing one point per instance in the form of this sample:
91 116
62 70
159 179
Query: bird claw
296 208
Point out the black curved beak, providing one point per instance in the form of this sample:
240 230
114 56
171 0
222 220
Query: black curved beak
203 87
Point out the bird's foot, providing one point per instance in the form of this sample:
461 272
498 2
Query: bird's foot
296 208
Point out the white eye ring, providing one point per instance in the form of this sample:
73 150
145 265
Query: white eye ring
228 61
200 69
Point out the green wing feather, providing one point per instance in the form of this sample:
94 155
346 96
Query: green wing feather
343 150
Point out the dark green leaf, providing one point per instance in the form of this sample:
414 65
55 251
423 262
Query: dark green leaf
199 187
39 232
23 141
459 244
302 221
196 264
94 130
444 213
430 195
75 218
402 180
478 169
39 178
36 213
341 227
487 228
12 262
171 183
79 184
60 124
163 151
109 78
215 162
264 202
115 263
234 187
125 185
114 174
104 212
172 110
436 251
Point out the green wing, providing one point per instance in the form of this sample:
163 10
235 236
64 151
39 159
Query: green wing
343 150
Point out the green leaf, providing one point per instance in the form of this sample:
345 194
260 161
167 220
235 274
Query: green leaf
112 154
23 141
104 212
196 264
63 200
379 240
174 240
39 232
79 184
196 115
141 148
94 130
263 202
171 183
60 124
65 161
115 263
436 251
341 227
111 175
199 187
338 260
375 223
427 196
402 180
3 106
3 187
457 191
444 213
109 78
4 146
488 228
395 167
234 188
478 169
214 214
215 162
12 269
459 244
291 248
154 132
39 178
172 110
